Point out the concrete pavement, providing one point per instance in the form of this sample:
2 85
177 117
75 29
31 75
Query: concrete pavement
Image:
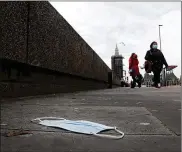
125 108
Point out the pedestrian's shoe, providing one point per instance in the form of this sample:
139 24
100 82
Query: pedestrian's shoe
139 85
133 84
153 85
158 85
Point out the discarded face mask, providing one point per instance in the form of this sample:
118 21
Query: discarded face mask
79 126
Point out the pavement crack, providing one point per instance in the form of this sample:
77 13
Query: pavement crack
164 125
68 132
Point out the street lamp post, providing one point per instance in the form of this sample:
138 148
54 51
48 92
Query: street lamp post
160 36
163 72
122 43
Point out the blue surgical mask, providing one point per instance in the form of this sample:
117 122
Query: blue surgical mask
78 126
154 46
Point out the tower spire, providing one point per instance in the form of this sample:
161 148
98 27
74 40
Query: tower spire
116 50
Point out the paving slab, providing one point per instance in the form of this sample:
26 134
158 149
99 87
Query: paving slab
56 142
127 119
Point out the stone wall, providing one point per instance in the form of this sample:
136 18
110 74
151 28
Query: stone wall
34 35
13 23
43 81
54 44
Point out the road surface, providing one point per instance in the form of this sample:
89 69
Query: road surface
149 117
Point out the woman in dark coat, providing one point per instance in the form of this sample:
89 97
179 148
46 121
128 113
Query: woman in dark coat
156 58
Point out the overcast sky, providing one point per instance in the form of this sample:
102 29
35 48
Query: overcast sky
103 24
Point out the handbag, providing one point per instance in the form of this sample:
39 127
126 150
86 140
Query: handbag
148 65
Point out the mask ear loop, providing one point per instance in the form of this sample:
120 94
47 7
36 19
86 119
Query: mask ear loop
111 136
38 120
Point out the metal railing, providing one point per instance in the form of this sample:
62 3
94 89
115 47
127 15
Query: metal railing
172 83
148 83
167 84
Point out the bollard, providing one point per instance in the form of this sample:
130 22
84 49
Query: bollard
109 79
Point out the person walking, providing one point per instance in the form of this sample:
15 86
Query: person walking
134 70
154 63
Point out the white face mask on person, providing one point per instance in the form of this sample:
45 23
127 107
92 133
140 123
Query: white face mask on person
154 46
